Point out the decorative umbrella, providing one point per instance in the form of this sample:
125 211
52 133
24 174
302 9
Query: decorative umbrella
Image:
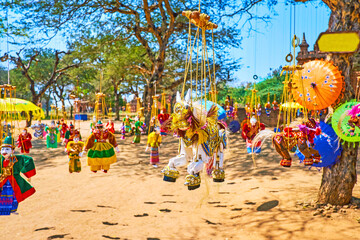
339 122
320 81
20 105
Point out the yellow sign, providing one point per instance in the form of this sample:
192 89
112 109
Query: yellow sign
339 42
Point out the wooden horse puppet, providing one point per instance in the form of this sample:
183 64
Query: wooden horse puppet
297 134
202 141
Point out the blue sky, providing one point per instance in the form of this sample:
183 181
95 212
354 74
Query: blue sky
272 40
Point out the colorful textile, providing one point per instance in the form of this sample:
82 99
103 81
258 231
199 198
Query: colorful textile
39 130
74 149
51 137
137 131
101 153
127 122
154 155
10 171
110 127
24 142
69 136
8 202
63 130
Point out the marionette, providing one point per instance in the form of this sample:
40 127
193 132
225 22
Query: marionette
92 124
6 130
249 131
58 124
235 110
248 110
13 187
309 129
123 131
110 126
275 105
100 152
24 141
162 117
74 149
154 141
258 110
137 130
51 137
127 122
268 109
70 133
39 129
63 129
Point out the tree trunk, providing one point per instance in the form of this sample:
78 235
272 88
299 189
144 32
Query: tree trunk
47 106
117 102
338 181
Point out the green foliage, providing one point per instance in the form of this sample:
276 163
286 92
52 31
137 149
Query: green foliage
273 84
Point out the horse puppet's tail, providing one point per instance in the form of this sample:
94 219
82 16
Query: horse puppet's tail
259 139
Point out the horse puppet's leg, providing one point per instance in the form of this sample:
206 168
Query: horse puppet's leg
311 155
170 172
281 148
192 181
219 173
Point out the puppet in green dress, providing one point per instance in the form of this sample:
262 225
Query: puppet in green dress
51 137
13 187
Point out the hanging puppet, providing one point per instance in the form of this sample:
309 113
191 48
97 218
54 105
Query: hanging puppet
39 129
74 149
122 131
92 124
51 137
100 145
6 129
162 117
268 109
63 129
110 126
24 141
200 133
127 122
275 105
70 134
137 130
296 135
249 131
13 187
154 141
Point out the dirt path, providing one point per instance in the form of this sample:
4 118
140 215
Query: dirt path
132 201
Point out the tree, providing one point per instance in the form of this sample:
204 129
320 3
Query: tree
156 25
338 181
41 69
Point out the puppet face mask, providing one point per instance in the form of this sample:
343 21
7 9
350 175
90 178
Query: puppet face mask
6 152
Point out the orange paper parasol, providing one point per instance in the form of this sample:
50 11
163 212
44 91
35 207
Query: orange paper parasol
320 81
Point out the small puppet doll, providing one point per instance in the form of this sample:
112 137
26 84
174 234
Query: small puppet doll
110 126
101 144
13 187
24 141
154 141
74 149
51 137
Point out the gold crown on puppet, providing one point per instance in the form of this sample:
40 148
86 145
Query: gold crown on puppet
218 175
8 142
192 182
170 175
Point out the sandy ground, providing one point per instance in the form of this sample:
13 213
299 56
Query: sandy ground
133 202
